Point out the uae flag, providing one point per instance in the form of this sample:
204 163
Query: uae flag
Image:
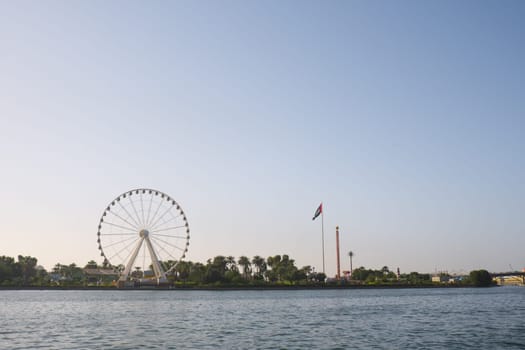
319 211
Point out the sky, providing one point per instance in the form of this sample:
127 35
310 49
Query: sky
405 118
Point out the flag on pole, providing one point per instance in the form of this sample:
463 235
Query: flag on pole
319 211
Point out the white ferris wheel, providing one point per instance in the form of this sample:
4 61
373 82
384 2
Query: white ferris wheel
143 233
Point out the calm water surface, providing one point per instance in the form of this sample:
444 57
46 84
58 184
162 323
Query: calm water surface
329 319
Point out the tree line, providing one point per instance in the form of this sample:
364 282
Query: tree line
383 276
24 271
277 269
219 271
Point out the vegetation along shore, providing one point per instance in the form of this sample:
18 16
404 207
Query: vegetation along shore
224 272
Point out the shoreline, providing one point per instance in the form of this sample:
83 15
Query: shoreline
238 288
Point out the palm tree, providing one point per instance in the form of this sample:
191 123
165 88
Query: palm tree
260 265
274 262
216 268
231 264
351 255
246 266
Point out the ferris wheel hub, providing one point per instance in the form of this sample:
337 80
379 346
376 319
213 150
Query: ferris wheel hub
144 233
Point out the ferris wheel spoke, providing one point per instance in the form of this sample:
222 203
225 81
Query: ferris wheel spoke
129 215
119 234
168 228
161 248
133 227
119 226
156 212
171 245
124 248
142 208
169 236
164 250
118 242
149 207
135 210
166 222
160 217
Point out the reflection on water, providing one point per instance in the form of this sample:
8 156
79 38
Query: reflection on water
327 319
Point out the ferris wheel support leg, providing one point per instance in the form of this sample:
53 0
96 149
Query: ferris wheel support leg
131 261
159 271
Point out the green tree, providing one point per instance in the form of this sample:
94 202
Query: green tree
183 270
246 266
216 269
303 273
282 269
8 269
260 267
69 274
480 278
197 273
41 276
360 274
416 278
233 276
318 277
231 264
287 270
27 268
272 262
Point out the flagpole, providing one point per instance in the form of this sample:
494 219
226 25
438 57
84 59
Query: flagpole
322 233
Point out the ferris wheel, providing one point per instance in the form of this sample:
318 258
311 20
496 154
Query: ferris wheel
143 233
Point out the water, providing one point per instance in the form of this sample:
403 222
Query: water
490 318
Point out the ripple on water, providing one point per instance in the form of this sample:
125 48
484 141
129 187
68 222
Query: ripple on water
340 319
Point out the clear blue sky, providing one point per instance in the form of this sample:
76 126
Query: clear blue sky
405 118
